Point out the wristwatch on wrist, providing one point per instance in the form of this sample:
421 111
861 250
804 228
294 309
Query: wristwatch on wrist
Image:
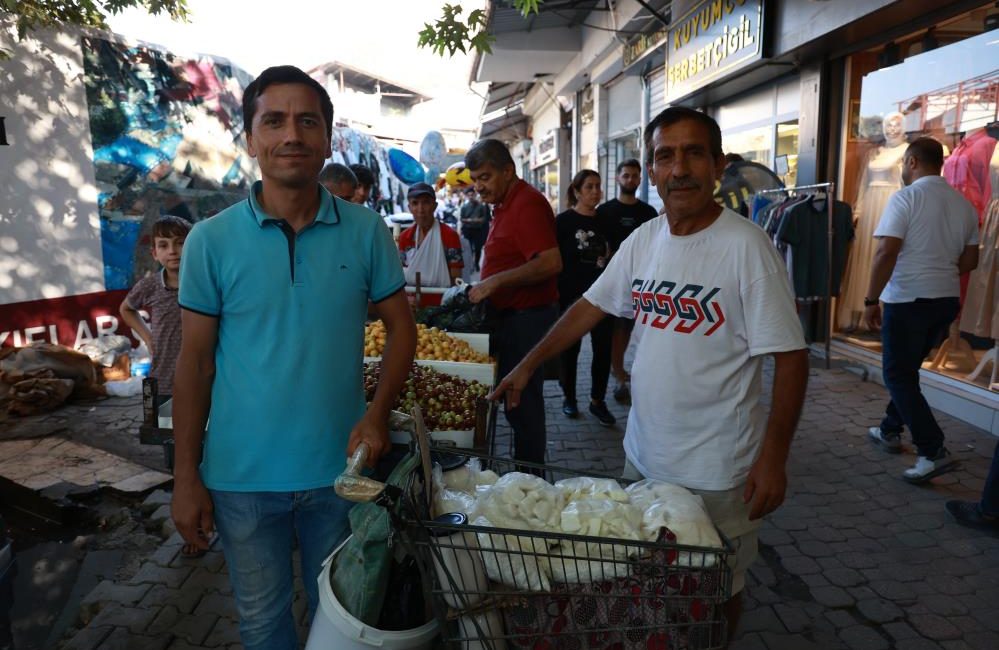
868 302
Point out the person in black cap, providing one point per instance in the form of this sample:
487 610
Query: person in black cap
429 247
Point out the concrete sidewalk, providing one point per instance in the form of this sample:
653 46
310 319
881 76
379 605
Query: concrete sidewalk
856 558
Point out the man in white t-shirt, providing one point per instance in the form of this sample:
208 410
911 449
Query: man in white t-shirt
710 298
928 237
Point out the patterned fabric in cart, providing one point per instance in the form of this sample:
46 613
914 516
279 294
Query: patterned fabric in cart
659 606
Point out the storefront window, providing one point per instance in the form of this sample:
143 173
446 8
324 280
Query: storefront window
546 181
786 161
753 144
618 150
942 84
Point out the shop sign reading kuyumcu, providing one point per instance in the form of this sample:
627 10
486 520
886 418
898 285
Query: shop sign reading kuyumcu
714 38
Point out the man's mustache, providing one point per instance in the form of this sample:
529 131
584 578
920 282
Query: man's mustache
683 185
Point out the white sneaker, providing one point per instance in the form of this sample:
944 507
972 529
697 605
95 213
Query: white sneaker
926 468
890 442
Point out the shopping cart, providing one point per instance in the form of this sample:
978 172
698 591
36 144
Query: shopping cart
501 588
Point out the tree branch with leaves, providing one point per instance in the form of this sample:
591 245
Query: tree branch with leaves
452 33
32 15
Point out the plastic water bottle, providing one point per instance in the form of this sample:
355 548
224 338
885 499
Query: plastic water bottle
141 361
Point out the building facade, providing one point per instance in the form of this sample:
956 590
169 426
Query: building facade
810 90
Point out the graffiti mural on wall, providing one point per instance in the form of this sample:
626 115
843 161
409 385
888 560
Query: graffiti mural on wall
167 136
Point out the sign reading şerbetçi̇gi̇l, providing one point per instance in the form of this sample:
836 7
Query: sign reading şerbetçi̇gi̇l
714 38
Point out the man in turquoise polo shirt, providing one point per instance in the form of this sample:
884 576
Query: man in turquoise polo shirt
274 292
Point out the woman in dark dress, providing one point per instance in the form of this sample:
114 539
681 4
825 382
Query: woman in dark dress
585 250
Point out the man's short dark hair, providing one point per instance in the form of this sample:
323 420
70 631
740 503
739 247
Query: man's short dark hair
490 151
170 226
675 114
335 173
363 174
927 151
284 74
630 162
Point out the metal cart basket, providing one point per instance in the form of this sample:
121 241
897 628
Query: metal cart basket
503 588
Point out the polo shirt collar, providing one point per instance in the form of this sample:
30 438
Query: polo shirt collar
328 213
515 187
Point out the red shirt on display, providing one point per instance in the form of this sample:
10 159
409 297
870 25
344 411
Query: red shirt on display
523 227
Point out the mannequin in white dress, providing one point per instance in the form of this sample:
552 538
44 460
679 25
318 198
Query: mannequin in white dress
881 178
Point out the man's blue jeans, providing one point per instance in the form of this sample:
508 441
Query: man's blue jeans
909 330
258 530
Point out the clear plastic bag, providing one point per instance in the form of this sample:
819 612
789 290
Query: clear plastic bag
510 559
523 501
647 491
688 519
584 487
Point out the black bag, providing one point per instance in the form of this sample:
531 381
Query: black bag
460 315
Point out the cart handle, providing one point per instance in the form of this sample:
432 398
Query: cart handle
351 485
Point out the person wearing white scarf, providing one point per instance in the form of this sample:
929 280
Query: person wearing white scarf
424 247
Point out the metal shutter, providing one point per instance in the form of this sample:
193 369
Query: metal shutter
656 83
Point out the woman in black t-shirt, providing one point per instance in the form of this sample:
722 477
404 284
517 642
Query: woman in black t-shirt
584 244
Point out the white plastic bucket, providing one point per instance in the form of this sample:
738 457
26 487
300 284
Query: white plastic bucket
335 629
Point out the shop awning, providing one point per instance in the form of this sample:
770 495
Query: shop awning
503 113
540 44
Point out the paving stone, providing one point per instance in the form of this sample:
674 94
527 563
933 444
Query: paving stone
776 641
832 597
161 596
748 642
801 565
844 577
109 592
89 638
900 631
134 618
982 640
225 632
893 590
935 627
123 639
217 604
793 618
762 620
193 629
840 619
879 610
151 573
916 539
204 580
860 637
857 560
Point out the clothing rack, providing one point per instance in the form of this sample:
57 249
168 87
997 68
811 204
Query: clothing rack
830 190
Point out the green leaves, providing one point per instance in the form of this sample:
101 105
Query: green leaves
31 15
450 33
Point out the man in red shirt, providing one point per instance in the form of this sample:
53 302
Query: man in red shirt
428 247
520 266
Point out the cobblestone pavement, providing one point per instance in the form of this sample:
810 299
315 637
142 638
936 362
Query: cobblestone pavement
856 558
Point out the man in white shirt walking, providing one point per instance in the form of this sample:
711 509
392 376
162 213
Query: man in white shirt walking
928 237
711 299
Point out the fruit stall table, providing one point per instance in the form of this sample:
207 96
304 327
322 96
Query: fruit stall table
451 377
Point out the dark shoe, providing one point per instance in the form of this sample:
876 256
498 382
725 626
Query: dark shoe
599 410
622 393
969 513
570 409
927 467
889 441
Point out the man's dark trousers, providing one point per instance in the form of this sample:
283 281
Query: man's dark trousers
909 331
519 331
